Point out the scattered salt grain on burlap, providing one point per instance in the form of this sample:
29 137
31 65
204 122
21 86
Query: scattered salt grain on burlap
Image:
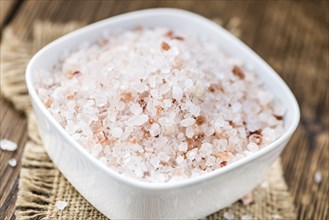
318 177
161 105
264 184
8 145
228 216
61 205
12 162
247 199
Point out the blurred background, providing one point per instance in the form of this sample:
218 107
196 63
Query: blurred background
292 36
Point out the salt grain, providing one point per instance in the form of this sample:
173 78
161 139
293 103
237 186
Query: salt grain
228 216
187 122
182 147
318 177
116 132
8 145
12 162
247 199
168 107
61 205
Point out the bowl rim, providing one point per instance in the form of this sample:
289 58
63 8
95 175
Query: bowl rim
167 185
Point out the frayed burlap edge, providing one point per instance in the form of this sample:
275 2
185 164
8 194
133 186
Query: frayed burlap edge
41 184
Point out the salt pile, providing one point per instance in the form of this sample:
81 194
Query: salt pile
160 106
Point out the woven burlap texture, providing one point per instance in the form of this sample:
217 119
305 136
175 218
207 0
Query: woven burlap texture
41 184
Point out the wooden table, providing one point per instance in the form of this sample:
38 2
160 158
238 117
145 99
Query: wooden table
291 36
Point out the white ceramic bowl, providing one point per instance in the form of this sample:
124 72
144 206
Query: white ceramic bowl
121 197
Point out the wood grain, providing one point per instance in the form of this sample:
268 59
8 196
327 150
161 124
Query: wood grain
5 9
290 35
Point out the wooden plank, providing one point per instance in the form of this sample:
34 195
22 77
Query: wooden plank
292 36
13 127
5 9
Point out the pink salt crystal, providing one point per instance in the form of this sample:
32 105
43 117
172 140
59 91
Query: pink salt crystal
247 199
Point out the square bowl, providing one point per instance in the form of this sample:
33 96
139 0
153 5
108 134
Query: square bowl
121 197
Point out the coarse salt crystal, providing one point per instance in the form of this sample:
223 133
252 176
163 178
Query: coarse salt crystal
182 147
8 145
252 147
264 184
180 160
228 216
177 93
12 162
318 177
155 130
187 122
116 132
61 205
155 162
136 109
206 149
247 199
191 154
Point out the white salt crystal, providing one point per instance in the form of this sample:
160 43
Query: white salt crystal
236 107
264 184
182 147
155 162
180 160
61 205
8 145
246 217
116 132
206 149
177 93
191 154
188 83
164 157
187 122
228 216
210 161
189 132
137 120
318 177
252 147
154 130
136 109
12 162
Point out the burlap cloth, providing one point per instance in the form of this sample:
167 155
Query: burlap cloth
41 184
